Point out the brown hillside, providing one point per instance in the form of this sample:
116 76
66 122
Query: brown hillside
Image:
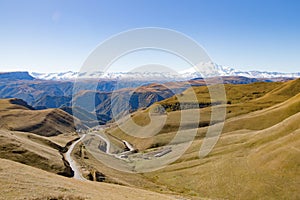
19 181
256 157
16 115
33 150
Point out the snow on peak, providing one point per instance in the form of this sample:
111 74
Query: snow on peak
209 69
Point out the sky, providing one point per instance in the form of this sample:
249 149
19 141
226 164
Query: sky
58 35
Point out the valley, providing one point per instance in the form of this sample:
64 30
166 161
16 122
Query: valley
256 156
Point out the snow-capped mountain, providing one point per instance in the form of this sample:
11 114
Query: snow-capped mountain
203 70
212 69
113 75
55 76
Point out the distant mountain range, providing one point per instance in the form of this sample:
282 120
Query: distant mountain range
132 94
141 89
213 70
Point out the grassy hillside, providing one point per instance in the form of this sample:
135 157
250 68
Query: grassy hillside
245 164
20 181
241 100
16 115
22 131
33 150
257 156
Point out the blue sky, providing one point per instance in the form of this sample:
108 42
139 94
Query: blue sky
58 35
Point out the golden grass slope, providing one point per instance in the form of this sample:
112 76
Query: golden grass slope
265 118
244 164
20 181
33 150
16 115
242 99
257 156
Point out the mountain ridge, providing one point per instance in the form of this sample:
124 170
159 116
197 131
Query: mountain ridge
17 115
209 70
17 75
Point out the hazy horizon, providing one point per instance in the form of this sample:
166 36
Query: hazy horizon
70 70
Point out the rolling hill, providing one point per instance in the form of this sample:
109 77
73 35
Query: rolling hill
33 150
256 157
27 135
19 181
16 115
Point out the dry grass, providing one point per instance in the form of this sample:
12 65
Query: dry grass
20 181
260 164
243 99
32 150
257 156
17 117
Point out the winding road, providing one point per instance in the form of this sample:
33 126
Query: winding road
68 157
107 143
74 166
